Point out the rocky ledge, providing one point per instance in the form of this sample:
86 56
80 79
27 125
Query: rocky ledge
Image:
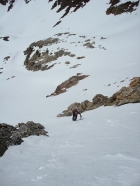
125 95
10 135
72 81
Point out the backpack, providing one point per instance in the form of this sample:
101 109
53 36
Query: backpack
75 112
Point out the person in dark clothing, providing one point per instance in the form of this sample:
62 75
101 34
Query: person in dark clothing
75 112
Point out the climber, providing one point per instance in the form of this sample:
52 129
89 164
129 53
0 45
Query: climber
75 112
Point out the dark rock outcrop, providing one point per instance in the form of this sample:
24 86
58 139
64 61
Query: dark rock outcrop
6 58
11 3
6 38
122 8
10 135
31 128
68 5
130 94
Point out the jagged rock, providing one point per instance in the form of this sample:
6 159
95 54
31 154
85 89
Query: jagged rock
85 104
10 135
81 107
73 105
39 60
31 128
67 84
130 94
97 101
68 5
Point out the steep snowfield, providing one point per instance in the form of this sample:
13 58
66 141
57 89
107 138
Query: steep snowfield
98 151
103 148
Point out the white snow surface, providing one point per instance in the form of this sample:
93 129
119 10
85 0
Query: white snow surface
103 149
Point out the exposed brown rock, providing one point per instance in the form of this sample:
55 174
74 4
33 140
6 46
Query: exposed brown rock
67 84
97 101
130 94
39 60
86 105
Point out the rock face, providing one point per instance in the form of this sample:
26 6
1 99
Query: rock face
31 128
10 135
40 60
68 5
130 94
67 84
86 105
97 101
121 8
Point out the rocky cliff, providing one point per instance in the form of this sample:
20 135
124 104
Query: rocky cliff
125 95
10 135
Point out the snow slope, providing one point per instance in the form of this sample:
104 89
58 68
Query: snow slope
103 148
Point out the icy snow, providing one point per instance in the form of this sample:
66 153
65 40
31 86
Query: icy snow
103 149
